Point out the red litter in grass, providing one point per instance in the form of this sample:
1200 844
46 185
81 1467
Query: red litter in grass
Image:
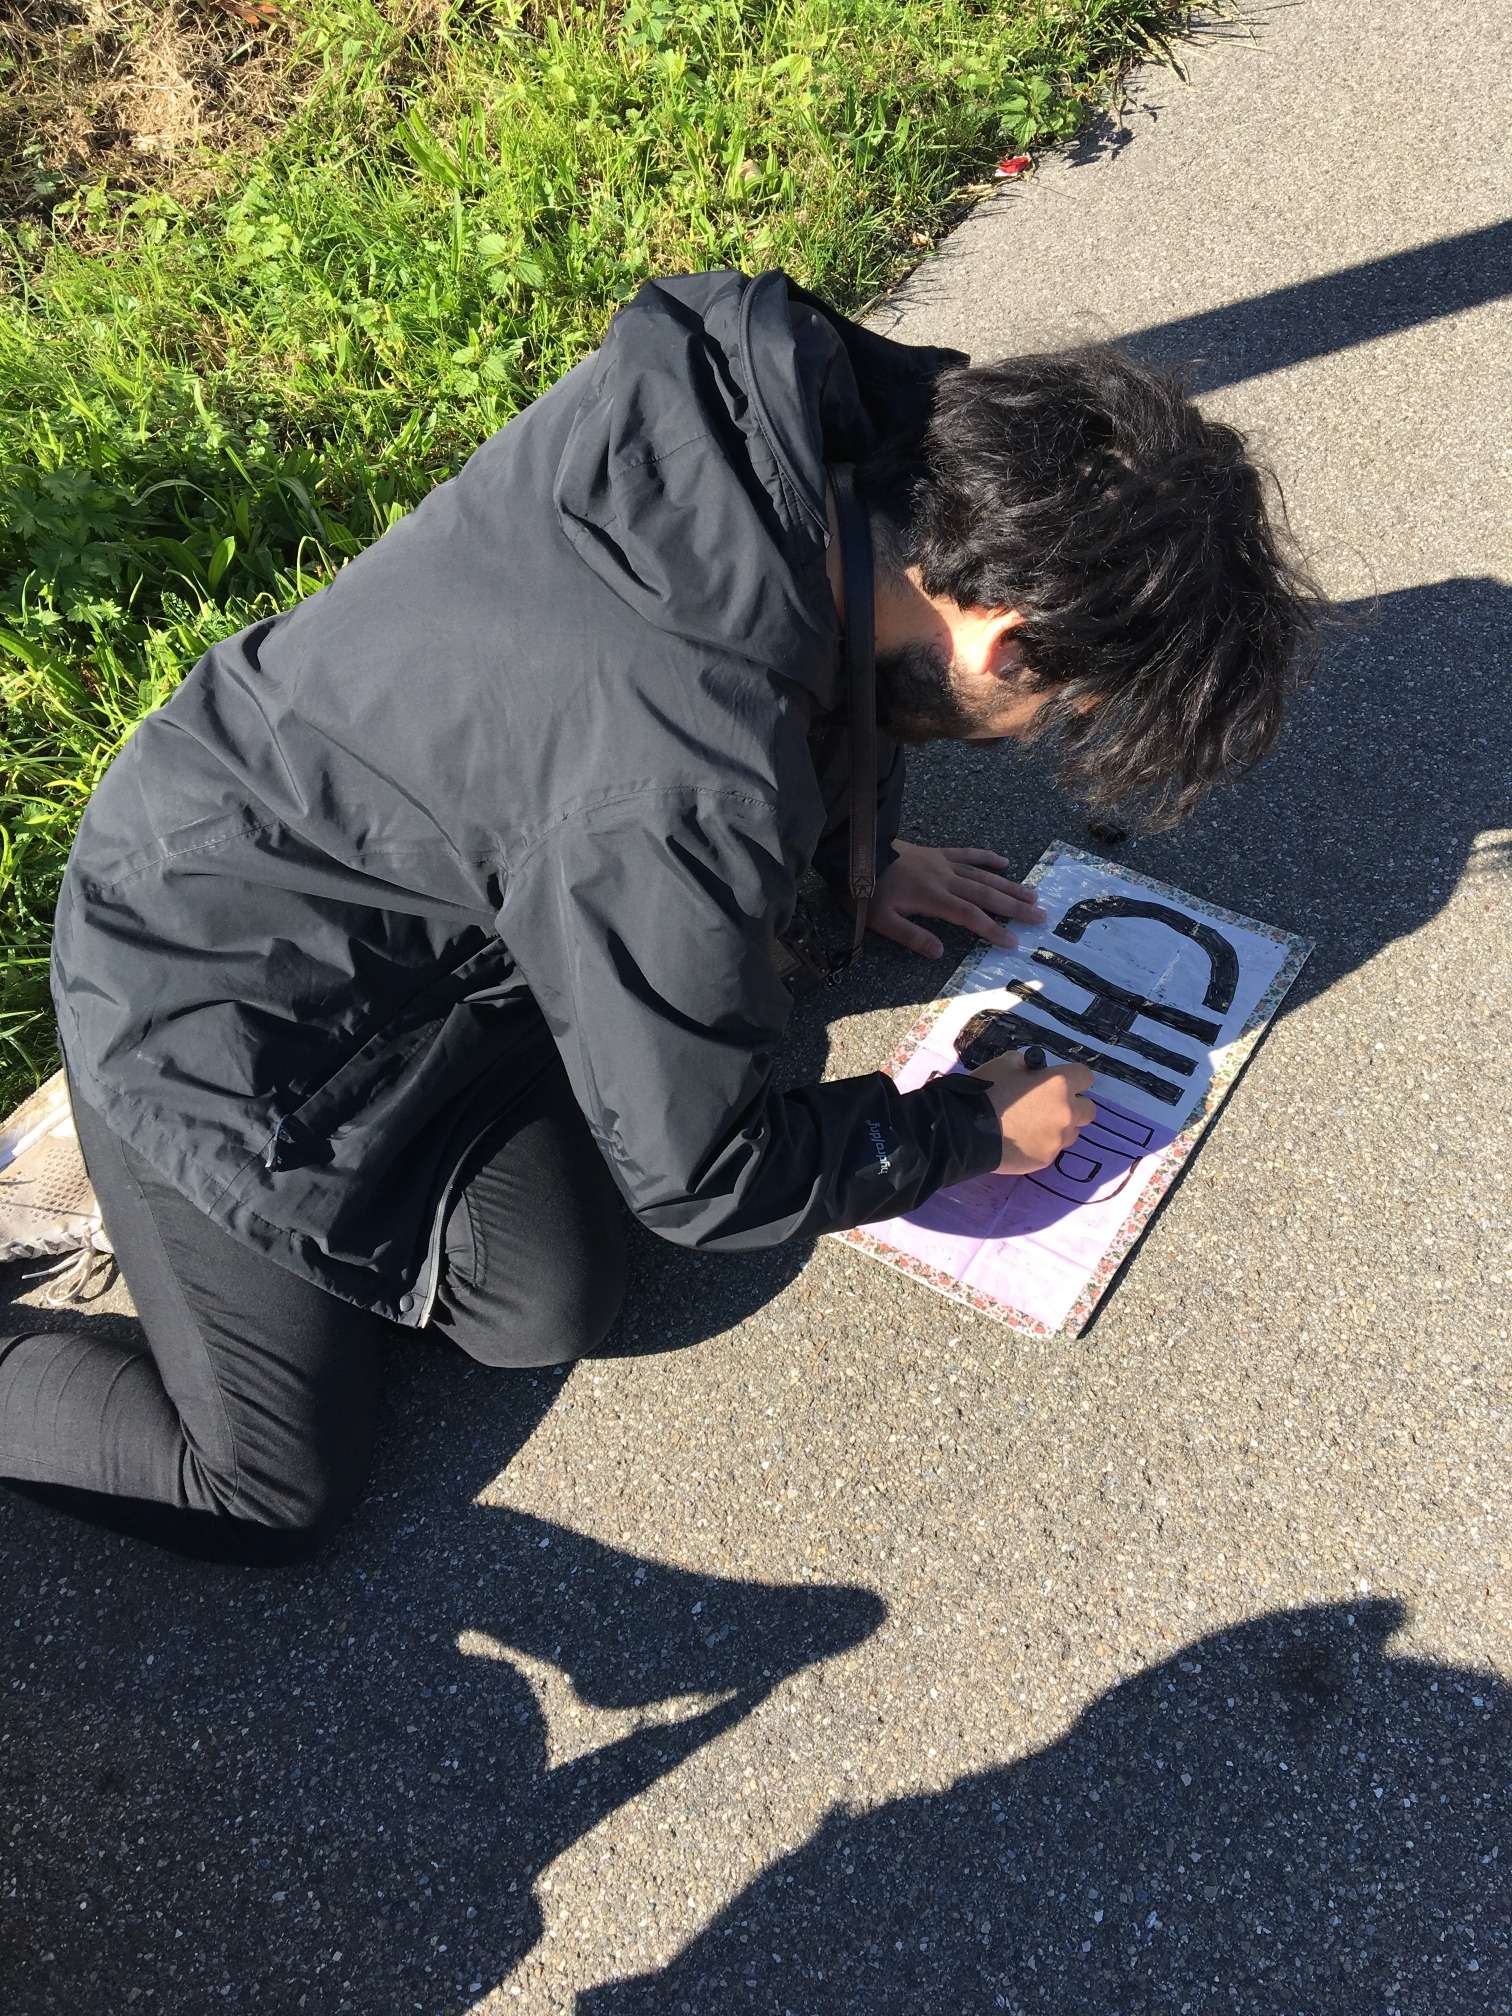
1012 164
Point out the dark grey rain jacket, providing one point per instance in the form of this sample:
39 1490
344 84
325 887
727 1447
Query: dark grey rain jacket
560 743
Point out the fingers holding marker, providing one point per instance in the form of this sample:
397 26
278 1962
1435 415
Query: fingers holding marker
1041 1107
1078 1084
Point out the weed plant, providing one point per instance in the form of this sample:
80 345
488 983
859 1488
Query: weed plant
217 387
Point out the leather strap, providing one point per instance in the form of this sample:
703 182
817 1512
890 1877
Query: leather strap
861 687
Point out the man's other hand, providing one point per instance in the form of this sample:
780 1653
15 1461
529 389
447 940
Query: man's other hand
958 885
1040 1112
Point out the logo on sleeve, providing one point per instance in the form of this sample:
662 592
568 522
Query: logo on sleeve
879 1145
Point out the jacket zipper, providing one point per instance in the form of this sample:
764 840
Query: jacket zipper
763 418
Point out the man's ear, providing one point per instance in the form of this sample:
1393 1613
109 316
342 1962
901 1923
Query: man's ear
1004 652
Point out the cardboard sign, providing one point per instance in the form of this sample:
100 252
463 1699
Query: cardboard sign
1163 996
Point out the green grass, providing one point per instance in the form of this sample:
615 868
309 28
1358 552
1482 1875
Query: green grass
214 392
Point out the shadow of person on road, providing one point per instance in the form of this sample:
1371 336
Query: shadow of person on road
1281 1817
339 1784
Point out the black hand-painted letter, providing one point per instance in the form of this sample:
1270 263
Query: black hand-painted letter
1113 1009
1111 1013
1222 957
1100 1164
998 1029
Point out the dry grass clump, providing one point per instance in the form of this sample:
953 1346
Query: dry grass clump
139 90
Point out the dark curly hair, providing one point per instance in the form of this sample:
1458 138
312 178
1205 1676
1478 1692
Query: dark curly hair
1133 534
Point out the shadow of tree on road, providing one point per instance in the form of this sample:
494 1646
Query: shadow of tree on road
1282 1817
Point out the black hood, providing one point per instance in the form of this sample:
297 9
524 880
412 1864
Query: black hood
715 403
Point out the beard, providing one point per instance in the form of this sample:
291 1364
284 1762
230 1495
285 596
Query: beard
917 700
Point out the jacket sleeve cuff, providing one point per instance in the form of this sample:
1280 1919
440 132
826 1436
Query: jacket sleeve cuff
965 1115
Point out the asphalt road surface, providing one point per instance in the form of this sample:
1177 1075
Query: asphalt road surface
866 1656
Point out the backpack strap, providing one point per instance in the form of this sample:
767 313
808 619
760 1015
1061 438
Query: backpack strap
859 641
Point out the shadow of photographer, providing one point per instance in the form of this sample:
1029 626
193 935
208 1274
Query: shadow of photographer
1281 1817
341 1779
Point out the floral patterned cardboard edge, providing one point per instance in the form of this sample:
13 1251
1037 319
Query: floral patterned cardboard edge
1166 1165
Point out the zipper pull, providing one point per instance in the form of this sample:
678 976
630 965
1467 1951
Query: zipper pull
276 1154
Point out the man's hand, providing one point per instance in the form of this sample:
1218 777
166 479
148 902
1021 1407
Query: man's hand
1040 1112
959 885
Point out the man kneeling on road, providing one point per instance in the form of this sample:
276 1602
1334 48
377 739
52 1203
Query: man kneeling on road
433 922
